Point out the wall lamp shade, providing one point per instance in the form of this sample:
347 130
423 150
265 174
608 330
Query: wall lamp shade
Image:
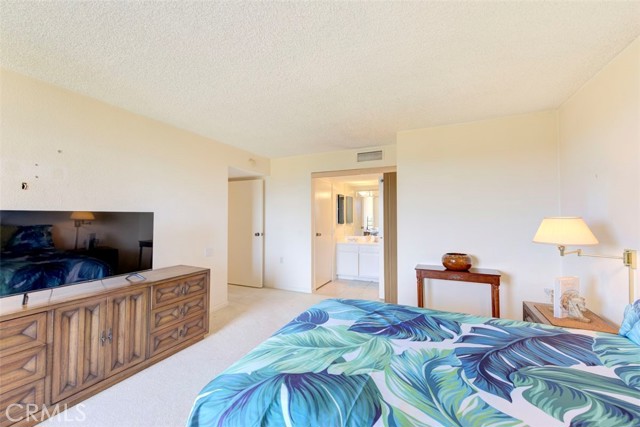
565 231
83 216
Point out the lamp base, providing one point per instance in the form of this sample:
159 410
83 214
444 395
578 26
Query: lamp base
77 225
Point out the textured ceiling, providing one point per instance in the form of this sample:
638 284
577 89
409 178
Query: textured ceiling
288 78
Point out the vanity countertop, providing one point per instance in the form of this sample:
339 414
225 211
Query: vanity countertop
360 240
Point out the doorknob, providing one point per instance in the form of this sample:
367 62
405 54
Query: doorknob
257 234
318 234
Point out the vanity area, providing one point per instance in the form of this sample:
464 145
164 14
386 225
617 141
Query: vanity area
358 258
357 233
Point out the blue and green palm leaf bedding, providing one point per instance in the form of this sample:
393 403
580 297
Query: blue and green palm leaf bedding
27 271
363 363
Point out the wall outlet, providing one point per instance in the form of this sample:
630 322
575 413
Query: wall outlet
208 252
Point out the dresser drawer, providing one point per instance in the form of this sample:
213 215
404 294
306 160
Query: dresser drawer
166 315
22 333
169 292
22 368
164 340
170 337
194 327
15 404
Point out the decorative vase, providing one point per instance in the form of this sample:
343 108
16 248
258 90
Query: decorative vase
457 262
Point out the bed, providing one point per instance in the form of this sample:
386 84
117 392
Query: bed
30 262
362 363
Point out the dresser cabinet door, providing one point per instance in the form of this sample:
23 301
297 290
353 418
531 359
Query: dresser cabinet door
78 342
126 332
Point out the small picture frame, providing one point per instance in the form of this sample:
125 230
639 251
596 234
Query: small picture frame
562 286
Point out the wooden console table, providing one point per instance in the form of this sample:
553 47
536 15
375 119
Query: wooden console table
475 275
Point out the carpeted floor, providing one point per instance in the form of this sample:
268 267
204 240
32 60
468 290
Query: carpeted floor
162 395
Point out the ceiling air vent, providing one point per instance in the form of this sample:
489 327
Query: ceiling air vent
369 156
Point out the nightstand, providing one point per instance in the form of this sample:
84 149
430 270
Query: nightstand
543 313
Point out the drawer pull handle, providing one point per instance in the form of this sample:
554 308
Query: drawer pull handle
103 338
110 335
184 290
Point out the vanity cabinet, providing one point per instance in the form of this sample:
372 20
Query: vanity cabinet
347 260
369 262
358 261
68 347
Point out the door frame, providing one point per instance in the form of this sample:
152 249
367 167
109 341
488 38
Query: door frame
389 218
390 227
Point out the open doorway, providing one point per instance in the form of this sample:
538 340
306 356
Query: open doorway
349 258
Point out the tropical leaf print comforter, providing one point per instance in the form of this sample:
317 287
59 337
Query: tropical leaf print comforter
48 268
362 363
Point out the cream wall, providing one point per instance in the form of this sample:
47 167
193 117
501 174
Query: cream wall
288 202
480 188
600 177
77 153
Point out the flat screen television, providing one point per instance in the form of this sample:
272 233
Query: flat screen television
48 249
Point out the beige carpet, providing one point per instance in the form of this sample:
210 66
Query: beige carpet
162 394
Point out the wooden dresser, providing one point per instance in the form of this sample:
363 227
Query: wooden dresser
72 342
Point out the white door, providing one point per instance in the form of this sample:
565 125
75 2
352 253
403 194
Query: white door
322 239
246 225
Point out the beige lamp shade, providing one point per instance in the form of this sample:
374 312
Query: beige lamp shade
565 231
85 216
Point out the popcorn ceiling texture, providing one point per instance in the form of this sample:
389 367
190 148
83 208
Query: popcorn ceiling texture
288 78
